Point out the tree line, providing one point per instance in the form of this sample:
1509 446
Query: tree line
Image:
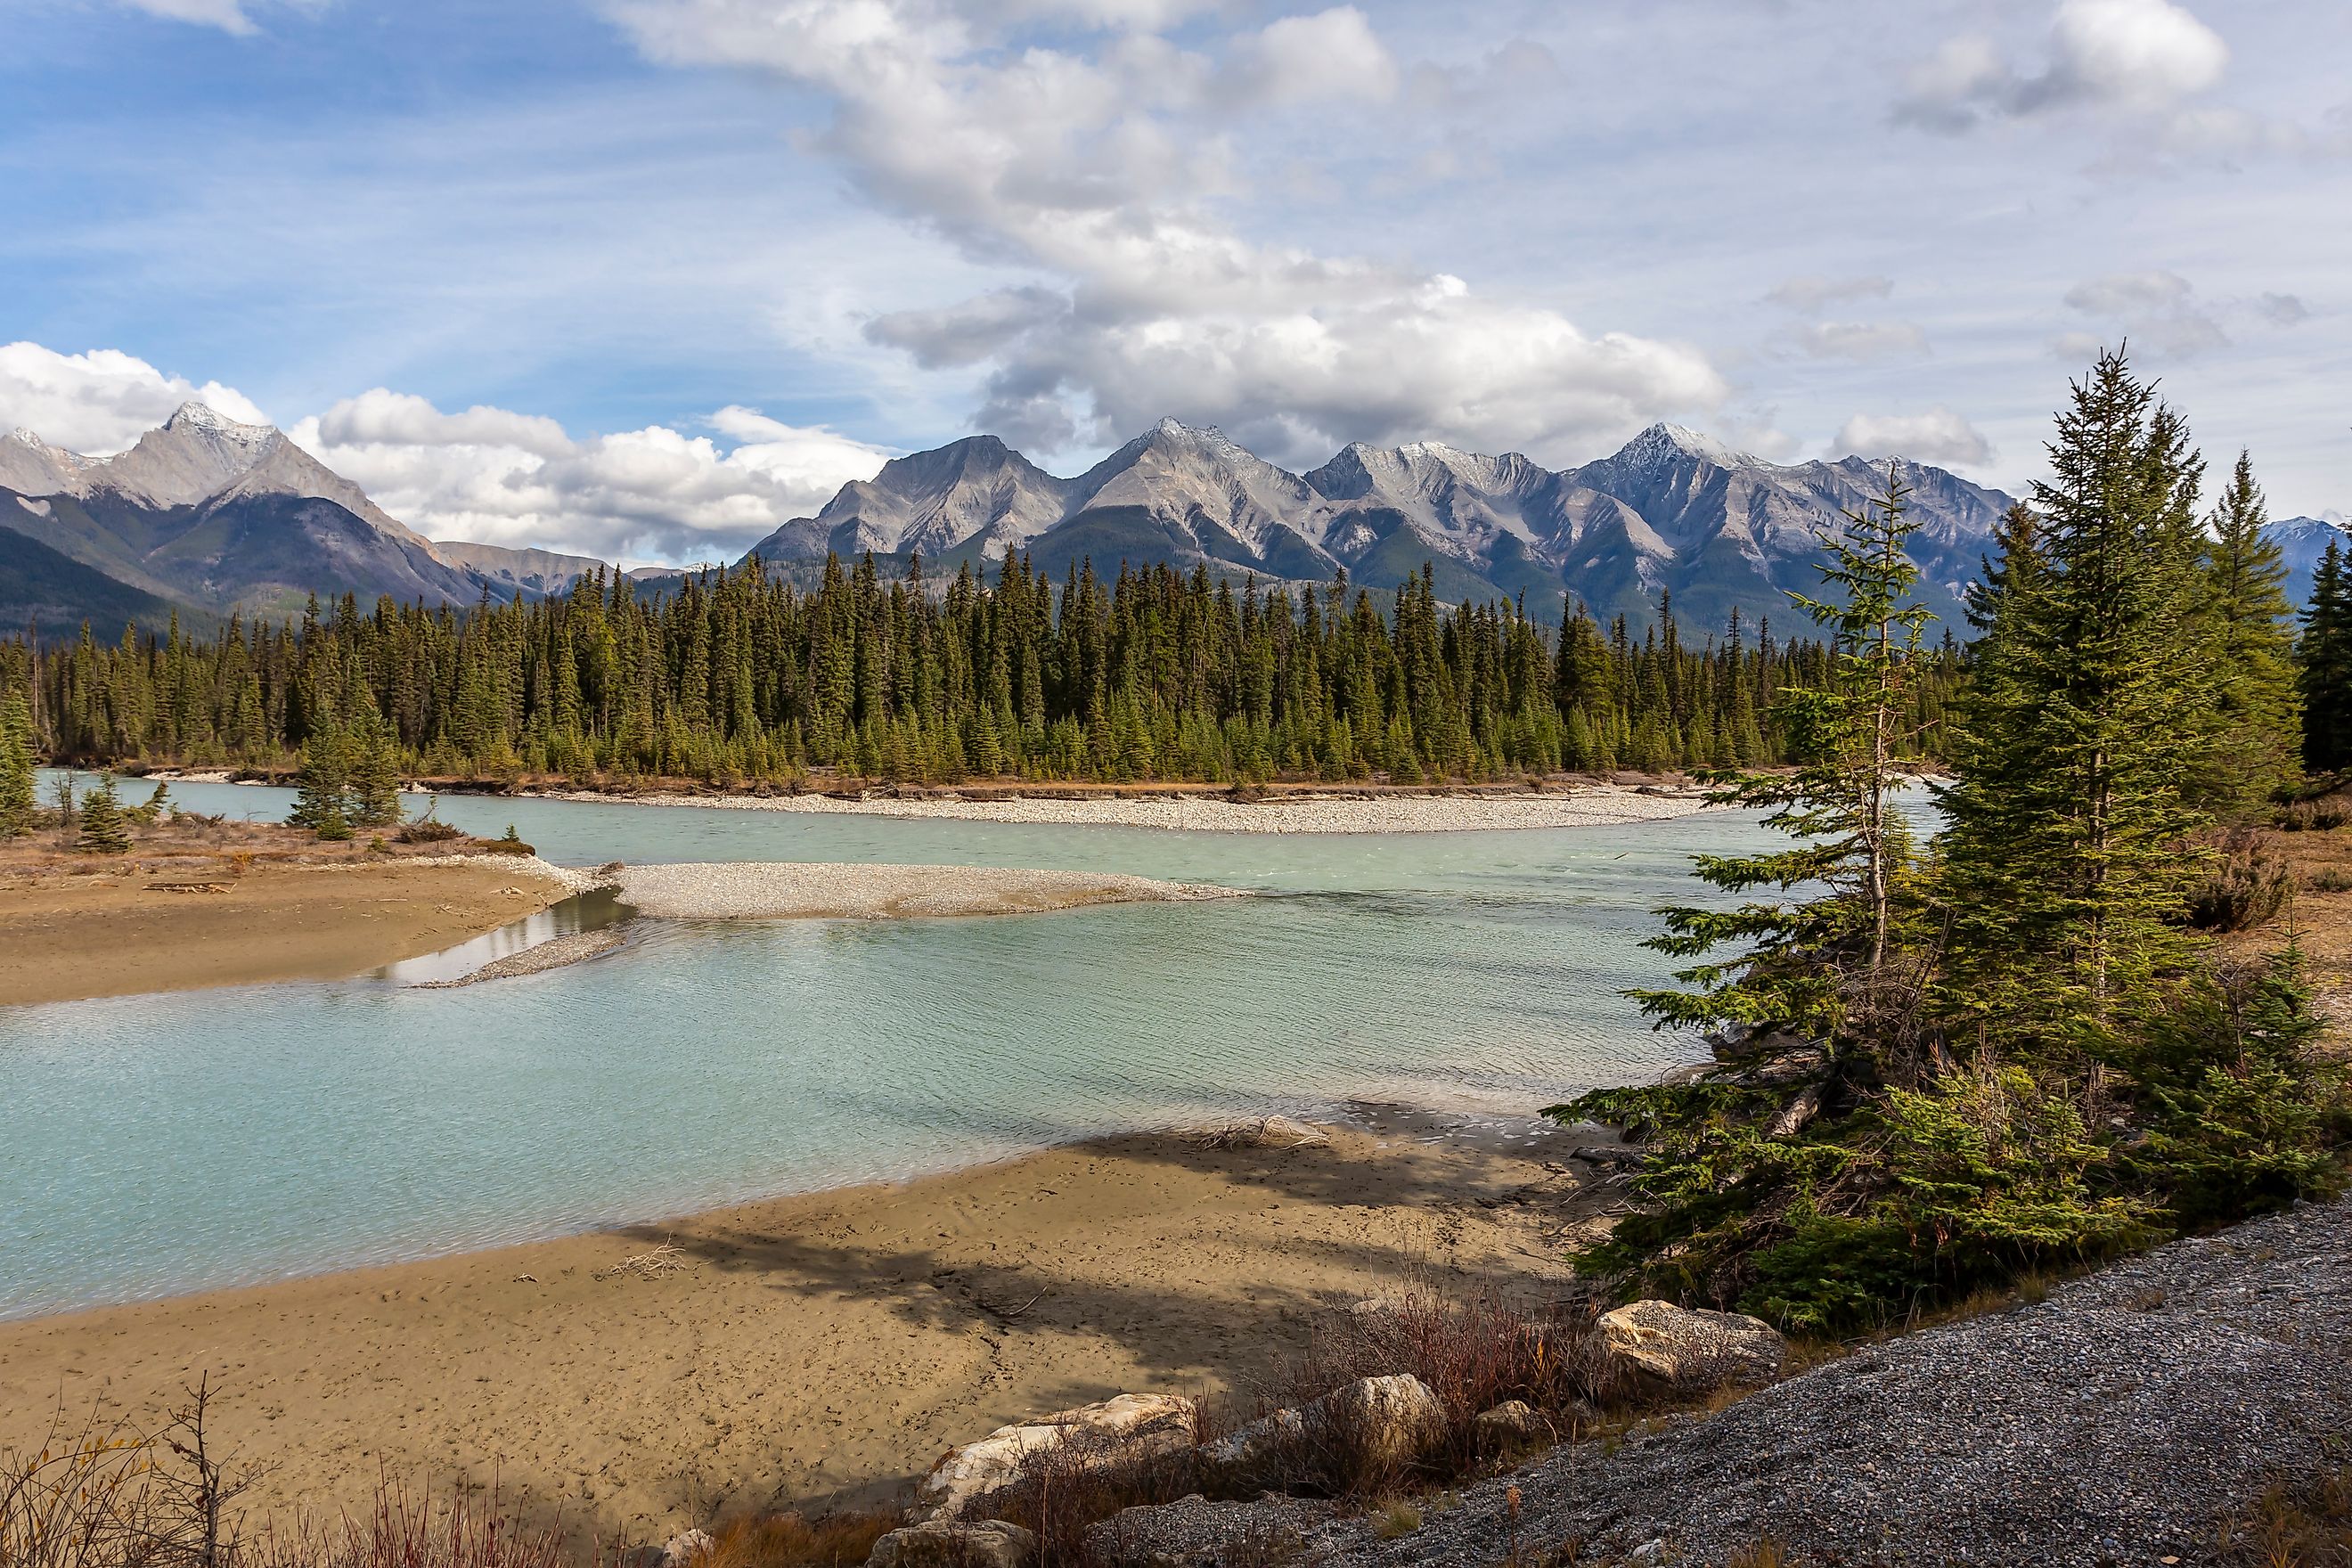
739 676
1953 1050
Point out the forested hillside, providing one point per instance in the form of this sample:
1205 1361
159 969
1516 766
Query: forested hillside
739 676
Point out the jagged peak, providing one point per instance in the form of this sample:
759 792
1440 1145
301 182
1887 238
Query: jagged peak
1665 441
194 415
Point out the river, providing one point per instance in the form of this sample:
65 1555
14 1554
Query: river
164 1143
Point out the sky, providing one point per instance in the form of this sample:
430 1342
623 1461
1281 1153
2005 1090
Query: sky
643 278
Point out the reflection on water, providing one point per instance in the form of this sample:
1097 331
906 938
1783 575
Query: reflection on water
168 1143
592 910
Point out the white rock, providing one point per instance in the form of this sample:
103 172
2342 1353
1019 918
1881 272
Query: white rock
1690 1349
1130 1429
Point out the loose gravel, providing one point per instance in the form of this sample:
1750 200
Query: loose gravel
1597 805
2117 1422
787 891
556 953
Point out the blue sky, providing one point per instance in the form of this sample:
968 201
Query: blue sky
643 277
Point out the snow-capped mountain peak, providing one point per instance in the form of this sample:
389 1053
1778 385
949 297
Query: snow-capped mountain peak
1663 444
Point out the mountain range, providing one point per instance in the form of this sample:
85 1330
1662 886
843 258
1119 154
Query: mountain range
207 515
1673 512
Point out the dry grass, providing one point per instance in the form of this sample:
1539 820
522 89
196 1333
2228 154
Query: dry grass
796 1541
1067 1489
2296 1527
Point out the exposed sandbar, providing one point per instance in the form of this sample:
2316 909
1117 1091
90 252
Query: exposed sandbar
797 890
1592 806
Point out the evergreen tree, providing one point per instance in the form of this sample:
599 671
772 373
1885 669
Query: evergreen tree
322 802
103 829
2259 726
2325 675
1823 990
374 791
16 794
2088 719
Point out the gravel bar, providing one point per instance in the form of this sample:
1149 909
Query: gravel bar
798 891
1599 805
2117 1422
557 953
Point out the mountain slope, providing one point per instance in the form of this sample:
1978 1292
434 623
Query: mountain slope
1673 513
210 512
48 590
531 574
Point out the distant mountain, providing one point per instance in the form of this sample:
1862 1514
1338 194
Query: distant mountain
2301 540
52 595
209 512
529 573
1673 512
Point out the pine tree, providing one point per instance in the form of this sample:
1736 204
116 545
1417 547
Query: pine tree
322 803
16 794
373 793
2258 718
103 829
2086 723
2323 678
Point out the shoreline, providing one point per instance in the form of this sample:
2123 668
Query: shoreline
1176 807
819 1347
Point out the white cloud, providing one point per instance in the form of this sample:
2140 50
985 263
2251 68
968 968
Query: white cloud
2132 57
501 477
1861 341
1940 436
1813 293
100 402
228 16
2154 308
1096 167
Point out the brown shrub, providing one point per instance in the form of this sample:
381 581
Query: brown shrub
1067 1489
426 831
796 1541
2245 890
420 1530
2323 815
1474 1351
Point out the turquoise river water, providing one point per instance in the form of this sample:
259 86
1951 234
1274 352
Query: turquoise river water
166 1143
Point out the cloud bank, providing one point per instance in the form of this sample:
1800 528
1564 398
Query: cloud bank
1073 145
100 402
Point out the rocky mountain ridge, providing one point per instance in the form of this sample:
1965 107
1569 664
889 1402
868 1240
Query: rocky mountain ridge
1673 512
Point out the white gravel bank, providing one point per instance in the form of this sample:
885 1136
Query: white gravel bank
572 878
812 891
1597 805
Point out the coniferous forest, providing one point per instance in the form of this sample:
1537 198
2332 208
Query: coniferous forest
743 678
2018 1046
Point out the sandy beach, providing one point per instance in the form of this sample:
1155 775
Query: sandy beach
815 1349
1588 805
72 933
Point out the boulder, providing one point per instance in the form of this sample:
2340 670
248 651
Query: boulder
943 1544
1514 1424
1386 1422
1689 1349
1259 1454
1130 1429
687 1548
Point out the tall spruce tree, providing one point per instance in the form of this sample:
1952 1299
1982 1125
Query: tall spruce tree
2324 677
1815 1014
2258 718
2081 734
321 801
373 796
16 794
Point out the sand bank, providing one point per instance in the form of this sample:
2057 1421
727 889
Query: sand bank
789 891
821 1347
70 934
1590 806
